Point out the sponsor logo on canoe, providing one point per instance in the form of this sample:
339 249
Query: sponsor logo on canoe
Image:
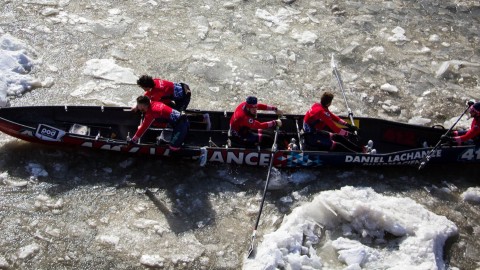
48 133
239 157
413 157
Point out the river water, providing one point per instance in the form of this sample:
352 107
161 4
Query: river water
408 61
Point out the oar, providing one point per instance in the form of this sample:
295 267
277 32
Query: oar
429 155
274 149
340 84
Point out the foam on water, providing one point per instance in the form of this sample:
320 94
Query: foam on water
367 230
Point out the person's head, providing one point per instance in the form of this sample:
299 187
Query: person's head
251 105
326 99
143 103
146 82
475 110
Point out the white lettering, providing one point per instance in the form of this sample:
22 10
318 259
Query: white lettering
264 159
231 157
217 156
134 149
87 144
251 158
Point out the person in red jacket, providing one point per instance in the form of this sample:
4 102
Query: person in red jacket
175 95
245 129
471 136
159 112
322 132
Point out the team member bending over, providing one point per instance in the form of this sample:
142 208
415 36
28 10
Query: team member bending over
157 112
175 95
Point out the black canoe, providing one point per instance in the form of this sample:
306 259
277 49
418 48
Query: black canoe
107 128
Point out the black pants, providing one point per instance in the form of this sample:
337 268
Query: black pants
181 104
326 141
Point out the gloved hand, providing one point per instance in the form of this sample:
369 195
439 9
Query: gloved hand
351 128
448 140
353 138
278 123
451 133
279 112
470 102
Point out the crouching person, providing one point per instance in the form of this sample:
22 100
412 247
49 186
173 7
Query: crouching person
159 112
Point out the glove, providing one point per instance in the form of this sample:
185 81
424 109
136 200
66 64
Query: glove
451 133
351 128
448 140
278 123
279 112
353 138
470 102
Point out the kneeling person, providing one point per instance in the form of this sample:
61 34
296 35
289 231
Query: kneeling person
321 131
245 129
157 111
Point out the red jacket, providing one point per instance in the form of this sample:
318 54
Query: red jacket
242 121
473 132
162 91
159 111
319 117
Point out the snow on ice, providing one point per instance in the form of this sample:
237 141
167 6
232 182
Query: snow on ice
16 62
356 223
472 194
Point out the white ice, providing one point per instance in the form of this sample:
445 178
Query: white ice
16 62
472 194
107 69
366 229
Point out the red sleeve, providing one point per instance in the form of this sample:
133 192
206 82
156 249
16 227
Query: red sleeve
148 94
337 119
473 132
329 121
265 107
260 125
147 121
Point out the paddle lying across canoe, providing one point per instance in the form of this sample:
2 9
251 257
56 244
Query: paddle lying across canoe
107 128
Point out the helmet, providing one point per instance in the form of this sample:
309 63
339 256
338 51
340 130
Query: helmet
251 102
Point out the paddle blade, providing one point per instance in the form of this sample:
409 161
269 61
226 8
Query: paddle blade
251 249
332 63
422 164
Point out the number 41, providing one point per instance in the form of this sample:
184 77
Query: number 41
470 154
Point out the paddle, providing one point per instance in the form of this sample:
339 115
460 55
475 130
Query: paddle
274 149
340 84
428 156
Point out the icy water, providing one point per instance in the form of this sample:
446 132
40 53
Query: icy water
409 61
